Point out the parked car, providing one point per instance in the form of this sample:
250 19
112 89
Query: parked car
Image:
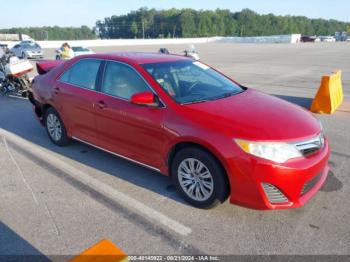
341 36
78 50
327 39
306 39
27 49
213 136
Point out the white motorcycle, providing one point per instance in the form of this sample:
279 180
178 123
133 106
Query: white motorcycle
13 74
190 52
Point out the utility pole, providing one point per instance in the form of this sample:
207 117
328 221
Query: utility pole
143 29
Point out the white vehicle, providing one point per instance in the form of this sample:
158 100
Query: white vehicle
80 50
77 50
327 39
27 49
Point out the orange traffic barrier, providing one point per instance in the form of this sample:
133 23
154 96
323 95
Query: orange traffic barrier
104 251
330 95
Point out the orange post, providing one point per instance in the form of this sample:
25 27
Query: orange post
329 96
104 251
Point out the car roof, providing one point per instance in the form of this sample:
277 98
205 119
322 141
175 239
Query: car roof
139 57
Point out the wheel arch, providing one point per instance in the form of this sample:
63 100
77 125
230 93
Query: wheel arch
186 144
42 111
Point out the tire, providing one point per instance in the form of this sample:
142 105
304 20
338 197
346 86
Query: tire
58 57
208 172
55 128
2 90
24 56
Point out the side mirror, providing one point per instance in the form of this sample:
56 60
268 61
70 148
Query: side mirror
144 98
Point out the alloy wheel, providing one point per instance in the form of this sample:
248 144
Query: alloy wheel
195 179
54 127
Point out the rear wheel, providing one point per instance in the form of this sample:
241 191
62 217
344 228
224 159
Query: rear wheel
55 128
199 178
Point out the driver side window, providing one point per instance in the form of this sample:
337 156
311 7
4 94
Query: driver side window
122 81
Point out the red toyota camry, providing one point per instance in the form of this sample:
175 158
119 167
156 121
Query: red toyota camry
214 137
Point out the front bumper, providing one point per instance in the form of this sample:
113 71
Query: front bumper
35 55
298 180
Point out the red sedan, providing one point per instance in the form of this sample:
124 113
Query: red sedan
214 137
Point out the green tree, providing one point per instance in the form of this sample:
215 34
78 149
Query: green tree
134 28
192 23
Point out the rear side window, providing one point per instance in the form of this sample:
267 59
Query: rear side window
82 74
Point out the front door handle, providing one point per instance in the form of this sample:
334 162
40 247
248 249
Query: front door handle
57 90
101 104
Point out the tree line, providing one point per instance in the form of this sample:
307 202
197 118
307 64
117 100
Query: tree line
152 23
53 33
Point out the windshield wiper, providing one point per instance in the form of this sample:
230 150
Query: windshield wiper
224 95
195 101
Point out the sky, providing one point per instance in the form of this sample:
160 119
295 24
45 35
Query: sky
24 13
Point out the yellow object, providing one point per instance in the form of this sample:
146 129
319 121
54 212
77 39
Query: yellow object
243 144
67 53
330 95
104 251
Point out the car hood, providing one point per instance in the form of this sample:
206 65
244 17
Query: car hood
256 116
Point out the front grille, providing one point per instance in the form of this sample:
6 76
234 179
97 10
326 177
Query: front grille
274 195
309 185
311 146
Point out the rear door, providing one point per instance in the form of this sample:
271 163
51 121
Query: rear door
75 93
130 130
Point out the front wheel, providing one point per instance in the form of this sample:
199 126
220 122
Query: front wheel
55 128
3 89
199 178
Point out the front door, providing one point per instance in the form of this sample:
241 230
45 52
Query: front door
129 130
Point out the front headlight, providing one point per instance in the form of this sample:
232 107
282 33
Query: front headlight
274 151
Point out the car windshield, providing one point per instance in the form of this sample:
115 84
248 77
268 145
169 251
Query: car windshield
190 82
31 45
80 49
